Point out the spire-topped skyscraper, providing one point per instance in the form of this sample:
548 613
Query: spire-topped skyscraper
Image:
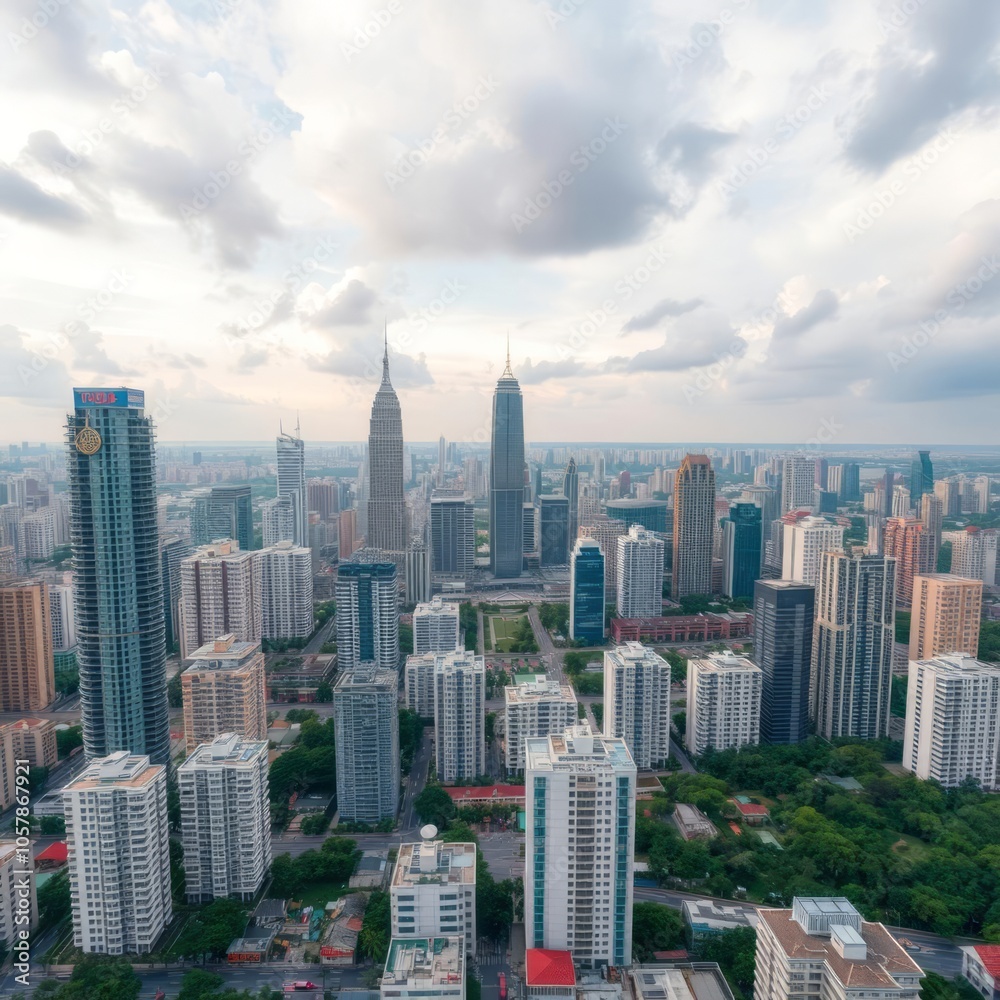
386 501
292 481
507 477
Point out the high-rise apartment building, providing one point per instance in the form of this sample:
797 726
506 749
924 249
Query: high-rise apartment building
27 673
580 846
418 681
292 483
723 702
436 626
220 594
459 715
117 586
804 543
286 592
223 690
506 480
62 616
453 536
945 615
783 613
694 524
323 496
277 520
852 646
224 511
417 563
173 551
571 490
931 517
953 721
586 592
948 492
552 530
38 534
18 897
606 531
974 554
387 528
366 724
367 615
742 551
637 702
535 706
640 574
225 819
119 854
908 542
33 740
798 480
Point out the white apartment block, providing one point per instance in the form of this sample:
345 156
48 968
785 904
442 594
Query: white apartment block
433 892
418 680
637 702
286 592
974 553
62 616
803 546
639 574
18 901
225 818
535 706
220 593
953 720
460 715
798 484
435 627
579 846
39 534
822 948
424 968
277 520
723 702
119 855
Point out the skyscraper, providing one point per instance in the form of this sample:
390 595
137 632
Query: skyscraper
453 537
921 477
173 551
571 490
586 592
27 673
804 543
694 521
552 514
850 483
225 511
782 648
459 715
506 486
945 615
723 702
852 646
931 512
286 592
535 705
277 520
974 554
742 551
798 480
367 615
386 500
909 543
292 482
640 574
117 584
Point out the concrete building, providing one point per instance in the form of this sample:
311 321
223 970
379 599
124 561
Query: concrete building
606 531
119 855
424 967
453 537
225 819
637 702
286 592
823 948
436 627
804 544
367 615
18 898
723 702
220 594
640 574
680 981
981 966
33 740
223 691
908 542
433 892
946 615
224 511
552 529
706 918
173 551
974 553
694 527
579 847
651 514
953 721
27 672
798 480
418 681
586 590
290 453
62 617
535 706
459 715
366 721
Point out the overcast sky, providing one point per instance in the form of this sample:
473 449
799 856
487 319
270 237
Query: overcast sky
761 220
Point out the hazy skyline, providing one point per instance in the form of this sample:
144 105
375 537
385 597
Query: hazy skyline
747 220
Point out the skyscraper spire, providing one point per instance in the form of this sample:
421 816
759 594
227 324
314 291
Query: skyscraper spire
507 370
387 528
385 355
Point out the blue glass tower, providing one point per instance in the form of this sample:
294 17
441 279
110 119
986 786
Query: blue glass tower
117 584
367 615
586 609
741 550
507 493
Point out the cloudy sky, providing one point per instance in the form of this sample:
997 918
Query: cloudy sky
761 220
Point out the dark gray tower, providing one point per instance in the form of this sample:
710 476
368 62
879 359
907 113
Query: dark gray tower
571 490
386 501
507 492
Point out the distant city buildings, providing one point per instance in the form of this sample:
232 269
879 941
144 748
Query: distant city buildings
909 543
798 481
946 615
694 525
639 574
535 706
974 553
586 602
637 702
723 702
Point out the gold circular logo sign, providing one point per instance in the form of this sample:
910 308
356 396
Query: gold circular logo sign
88 441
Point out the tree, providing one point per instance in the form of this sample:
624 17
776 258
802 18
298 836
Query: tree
434 805
52 825
324 693
735 953
285 880
199 984
98 978
213 930
67 740
655 928
53 901
373 939
175 697
315 823
178 877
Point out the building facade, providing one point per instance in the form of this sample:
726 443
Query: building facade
723 702
803 546
453 537
798 480
586 589
506 479
292 484
742 551
286 599
436 627
459 715
694 527
908 542
535 706
224 511
639 574
367 615
387 527
945 616
27 672
637 702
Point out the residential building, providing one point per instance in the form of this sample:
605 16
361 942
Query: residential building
552 530
348 533
974 553
953 720
651 514
459 715
723 702
387 522
852 646
173 551
277 520
224 511
637 702
798 480
366 730
418 679
606 531
286 592
949 493
804 543
453 536
424 967
223 691
18 898
640 574
694 524
225 819
119 854
367 615
433 892
62 617
436 627
823 947
742 551
981 967
931 517
27 672
945 615
292 484
535 705
33 740
586 589
909 543
579 846
38 534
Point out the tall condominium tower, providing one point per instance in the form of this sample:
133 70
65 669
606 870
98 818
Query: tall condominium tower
586 592
921 477
852 646
386 501
909 543
694 521
945 615
225 819
277 520
117 585
571 490
224 511
453 537
119 854
974 554
460 715
367 615
173 551
27 673
640 574
292 482
798 481
742 550
18 894
723 702
286 589
366 724
804 543
535 705
637 702
436 626
580 846
506 485
782 647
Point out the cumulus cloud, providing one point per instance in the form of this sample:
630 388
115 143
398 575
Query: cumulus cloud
662 309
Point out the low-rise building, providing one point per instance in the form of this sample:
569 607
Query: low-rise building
981 966
692 823
424 967
549 973
680 981
33 740
707 919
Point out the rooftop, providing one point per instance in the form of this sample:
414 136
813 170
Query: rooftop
577 746
989 955
437 862
682 981
535 687
425 962
723 662
436 606
224 653
120 769
486 792
547 967
229 748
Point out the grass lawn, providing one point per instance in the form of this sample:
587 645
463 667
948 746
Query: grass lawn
318 894
915 848
503 630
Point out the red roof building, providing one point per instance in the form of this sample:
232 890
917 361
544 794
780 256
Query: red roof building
467 795
981 966
676 955
750 812
546 970
53 856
